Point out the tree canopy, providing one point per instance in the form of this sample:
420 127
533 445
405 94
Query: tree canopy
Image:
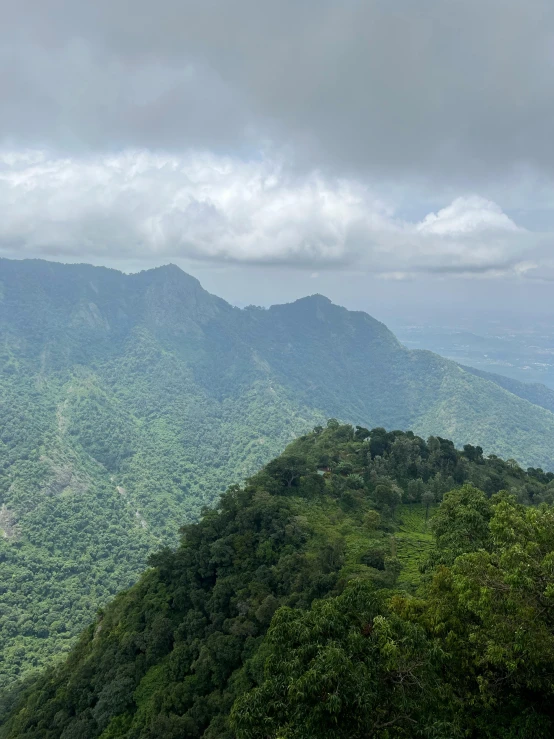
308 607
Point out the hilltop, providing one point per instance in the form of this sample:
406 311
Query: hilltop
361 581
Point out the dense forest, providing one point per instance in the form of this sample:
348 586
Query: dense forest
362 584
130 402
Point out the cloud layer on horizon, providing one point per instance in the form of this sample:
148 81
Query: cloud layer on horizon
154 208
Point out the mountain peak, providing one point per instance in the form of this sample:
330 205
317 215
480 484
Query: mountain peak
170 269
317 298
86 299
309 301
176 300
170 272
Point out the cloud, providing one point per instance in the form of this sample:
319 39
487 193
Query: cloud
139 205
466 216
455 92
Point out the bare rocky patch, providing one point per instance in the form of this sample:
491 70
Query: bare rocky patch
8 525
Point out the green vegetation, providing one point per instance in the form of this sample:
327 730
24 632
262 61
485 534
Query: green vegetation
130 402
413 539
534 392
312 602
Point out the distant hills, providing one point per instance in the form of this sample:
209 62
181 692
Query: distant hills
129 402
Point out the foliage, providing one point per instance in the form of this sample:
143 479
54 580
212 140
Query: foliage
128 403
284 613
345 668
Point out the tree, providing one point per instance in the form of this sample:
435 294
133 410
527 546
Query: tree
372 520
287 469
374 558
428 498
461 523
355 482
388 495
378 442
473 453
496 604
345 669
361 433
344 468
331 556
311 485
415 490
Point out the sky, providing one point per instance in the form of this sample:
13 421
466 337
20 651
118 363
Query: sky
395 156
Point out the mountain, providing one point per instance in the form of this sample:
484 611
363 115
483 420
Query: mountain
534 392
298 608
130 402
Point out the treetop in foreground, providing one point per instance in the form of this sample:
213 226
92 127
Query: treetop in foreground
326 597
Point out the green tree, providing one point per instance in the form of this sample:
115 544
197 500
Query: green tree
461 523
345 668
388 495
372 519
495 603
428 498
287 469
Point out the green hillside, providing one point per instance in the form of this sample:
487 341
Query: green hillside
318 600
534 392
130 402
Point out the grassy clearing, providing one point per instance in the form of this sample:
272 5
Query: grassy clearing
329 523
413 541
410 543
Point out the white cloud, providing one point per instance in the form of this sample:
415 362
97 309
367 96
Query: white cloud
465 216
143 206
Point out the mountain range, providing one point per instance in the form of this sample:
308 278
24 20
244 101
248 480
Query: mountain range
130 402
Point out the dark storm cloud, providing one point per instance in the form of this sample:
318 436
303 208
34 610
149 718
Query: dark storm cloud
451 90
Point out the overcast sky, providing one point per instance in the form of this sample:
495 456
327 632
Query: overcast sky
396 156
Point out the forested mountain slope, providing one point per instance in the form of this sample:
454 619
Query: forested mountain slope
128 402
534 392
285 613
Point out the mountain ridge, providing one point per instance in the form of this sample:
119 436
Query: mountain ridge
130 402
